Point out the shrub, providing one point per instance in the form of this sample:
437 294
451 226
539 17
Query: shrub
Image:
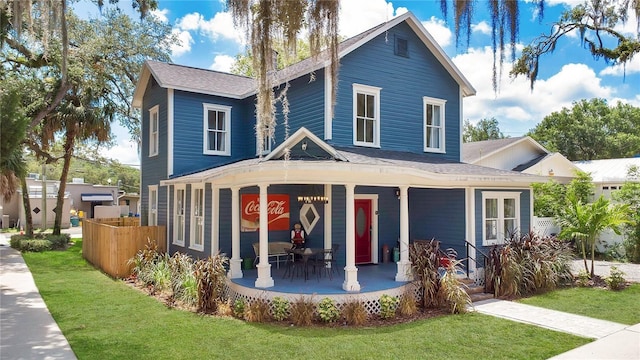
528 264
424 265
615 280
224 308
143 262
58 242
210 274
452 292
583 279
257 311
388 306
407 305
34 245
161 274
354 313
183 279
302 311
279 308
238 308
328 311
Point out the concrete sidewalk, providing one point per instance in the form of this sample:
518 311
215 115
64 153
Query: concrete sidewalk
613 340
27 329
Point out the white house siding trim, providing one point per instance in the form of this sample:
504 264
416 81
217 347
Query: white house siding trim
470 221
264 279
404 265
170 132
328 105
215 220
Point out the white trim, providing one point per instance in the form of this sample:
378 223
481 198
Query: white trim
195 188
460 123
296 138
170 132
151 213
176 235
500 196
226 151
470 213
168 216
308 226
328 104
154 138
426 100
374 223
375 92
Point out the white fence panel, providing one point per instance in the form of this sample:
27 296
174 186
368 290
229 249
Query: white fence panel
545 226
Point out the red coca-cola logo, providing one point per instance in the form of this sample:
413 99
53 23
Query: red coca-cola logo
277 212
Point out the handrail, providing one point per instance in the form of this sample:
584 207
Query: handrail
485 256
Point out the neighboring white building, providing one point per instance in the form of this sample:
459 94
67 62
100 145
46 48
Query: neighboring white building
608 176
522 154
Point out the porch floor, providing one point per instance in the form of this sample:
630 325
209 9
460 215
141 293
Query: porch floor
372 277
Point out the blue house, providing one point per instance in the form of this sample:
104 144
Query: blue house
384 170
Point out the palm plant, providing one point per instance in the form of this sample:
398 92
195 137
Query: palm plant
584 222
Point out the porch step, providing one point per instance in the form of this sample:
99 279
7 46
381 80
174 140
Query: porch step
476 292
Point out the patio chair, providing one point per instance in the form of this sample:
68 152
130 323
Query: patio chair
327 262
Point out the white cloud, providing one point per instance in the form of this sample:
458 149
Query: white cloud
481 27
516 107
357 16
183 45
126 152
631 67
161 15
222 63
220 26
439 30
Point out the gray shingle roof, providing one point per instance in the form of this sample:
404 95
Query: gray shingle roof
473 151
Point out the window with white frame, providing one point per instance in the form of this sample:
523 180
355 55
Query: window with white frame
266 142
197 217
154 138
433 124
178 214
153 205
366 115
500 216
217 129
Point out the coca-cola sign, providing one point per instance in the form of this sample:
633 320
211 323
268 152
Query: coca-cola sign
277 212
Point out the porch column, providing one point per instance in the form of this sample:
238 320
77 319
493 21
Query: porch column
350 271
235 264
327 217
404 265
264 279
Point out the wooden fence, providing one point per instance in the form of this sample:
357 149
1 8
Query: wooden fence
109 243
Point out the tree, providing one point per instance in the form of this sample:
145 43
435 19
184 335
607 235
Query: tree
243 64
266 20
485 129
596 22
584 222
551 197
630 194
591 130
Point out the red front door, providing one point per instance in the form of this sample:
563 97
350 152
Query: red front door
363 231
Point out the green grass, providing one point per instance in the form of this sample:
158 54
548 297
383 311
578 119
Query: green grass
618 306
106 319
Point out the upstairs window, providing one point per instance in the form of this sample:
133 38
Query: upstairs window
401 47
366 115
154 138
433 124
217 129
500 216
266 142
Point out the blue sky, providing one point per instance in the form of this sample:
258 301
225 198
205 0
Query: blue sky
209 40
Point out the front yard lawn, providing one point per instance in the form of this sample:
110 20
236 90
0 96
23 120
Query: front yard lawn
617 306
107 319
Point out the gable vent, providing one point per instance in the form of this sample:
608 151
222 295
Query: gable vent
402 47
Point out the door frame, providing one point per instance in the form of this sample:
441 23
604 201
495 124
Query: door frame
374 223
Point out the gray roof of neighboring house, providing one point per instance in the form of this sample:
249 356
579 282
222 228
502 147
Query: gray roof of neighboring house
474 151
608 170
530 163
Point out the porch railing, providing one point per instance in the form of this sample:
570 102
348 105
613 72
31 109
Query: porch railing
484 258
